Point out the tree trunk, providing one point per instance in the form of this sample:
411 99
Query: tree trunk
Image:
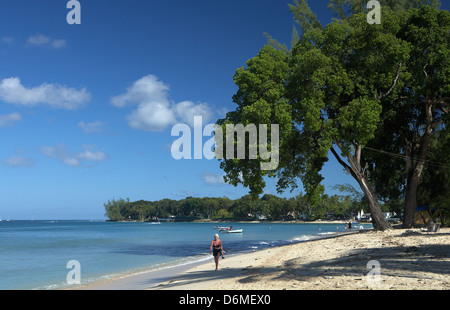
379 222
359 174
414 173
412 184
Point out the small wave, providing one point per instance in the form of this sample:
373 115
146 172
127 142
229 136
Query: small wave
301 238
327 233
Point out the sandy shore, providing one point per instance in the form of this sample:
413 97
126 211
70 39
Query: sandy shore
408 259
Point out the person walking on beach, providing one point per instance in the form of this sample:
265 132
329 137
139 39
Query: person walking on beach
216 249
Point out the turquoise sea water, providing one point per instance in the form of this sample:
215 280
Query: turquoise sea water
34 254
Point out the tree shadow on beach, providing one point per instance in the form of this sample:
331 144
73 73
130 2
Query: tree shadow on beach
196 277
397 261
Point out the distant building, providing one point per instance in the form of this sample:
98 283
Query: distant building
261 216
303 216
388 215
329 216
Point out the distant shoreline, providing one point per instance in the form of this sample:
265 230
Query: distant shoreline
247 221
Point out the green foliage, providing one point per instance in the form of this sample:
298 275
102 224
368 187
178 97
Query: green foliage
349 85
326 91
304 16
413 118
268 206
434 190
117 210
260 100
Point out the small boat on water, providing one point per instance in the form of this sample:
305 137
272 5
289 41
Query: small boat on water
231 231
222 228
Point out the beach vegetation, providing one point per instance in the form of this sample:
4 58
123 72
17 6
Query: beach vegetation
268 207
354 92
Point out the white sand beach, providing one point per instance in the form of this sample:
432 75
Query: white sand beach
408 259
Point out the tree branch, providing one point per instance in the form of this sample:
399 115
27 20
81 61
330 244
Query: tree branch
424 71
436 124
394 82
343 164
358 157
446 111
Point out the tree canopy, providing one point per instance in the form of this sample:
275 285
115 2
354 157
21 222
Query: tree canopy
268 207
345 90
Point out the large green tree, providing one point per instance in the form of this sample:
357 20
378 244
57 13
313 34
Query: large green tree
328 100
426 94
353 85
401 149
340 77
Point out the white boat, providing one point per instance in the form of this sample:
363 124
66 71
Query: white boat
221 228
232 231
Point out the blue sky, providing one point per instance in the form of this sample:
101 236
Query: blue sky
86 110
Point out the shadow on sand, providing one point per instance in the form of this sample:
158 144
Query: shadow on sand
398 261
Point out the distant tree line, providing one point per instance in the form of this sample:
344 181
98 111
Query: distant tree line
268 207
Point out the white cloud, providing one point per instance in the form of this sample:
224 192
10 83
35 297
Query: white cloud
41 40
92 156
93 127
9 119
150 95
58 43
8 40
154 111
212 178
18 161
146 89
152 116
186 110
54 95
88 156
